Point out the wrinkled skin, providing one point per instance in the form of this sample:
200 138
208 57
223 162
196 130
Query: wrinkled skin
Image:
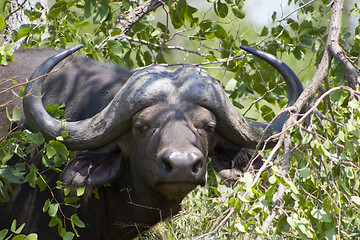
151 167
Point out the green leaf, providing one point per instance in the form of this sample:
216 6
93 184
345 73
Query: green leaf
25 29
82 25
272 179
13 226
273 16
22 91
68 236
31 236
220 31
46 205
355 199
298 53
2 22
16 114
3 232
264 31
321 215
3 60
19 229
354 104
59 147
267 113
54 221
349 173
53 209
67 190
239 13
41 184
115 47
4 195
221 9
101 12
19 237
13 174
9 50
76 220
305 173
50 151
176 18
240 227
88 8
71 200
35 138
80 191
286 37
294 25
55 110
344 187
33 15
289 183
31 179
64 134
57 8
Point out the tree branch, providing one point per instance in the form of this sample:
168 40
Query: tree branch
351 74
125 23
14 11
324 65
280 193
320 74
331 49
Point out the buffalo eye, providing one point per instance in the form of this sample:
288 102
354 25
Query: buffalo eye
140 126
209 128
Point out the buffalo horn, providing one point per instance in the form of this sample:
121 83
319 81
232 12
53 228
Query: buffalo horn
244 132
146 87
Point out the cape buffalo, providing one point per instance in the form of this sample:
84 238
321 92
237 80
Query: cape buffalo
148 133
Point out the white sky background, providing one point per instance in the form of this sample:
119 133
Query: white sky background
258 12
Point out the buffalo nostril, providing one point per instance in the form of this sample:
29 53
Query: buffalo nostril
197 166
167 165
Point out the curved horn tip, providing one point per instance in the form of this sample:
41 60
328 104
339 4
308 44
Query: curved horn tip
76 48
260 53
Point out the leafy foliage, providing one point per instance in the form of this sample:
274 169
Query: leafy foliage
321 198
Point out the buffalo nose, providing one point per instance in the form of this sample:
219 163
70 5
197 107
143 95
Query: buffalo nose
182 162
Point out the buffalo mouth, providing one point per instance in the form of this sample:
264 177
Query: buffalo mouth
177 189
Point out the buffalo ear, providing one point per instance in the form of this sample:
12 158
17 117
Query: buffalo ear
230 160
93 168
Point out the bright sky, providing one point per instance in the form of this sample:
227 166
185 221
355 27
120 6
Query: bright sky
259 12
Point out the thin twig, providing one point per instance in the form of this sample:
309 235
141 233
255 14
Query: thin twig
308 3
19 8
231 211
161 46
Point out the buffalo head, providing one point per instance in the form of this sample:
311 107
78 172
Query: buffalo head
158 130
